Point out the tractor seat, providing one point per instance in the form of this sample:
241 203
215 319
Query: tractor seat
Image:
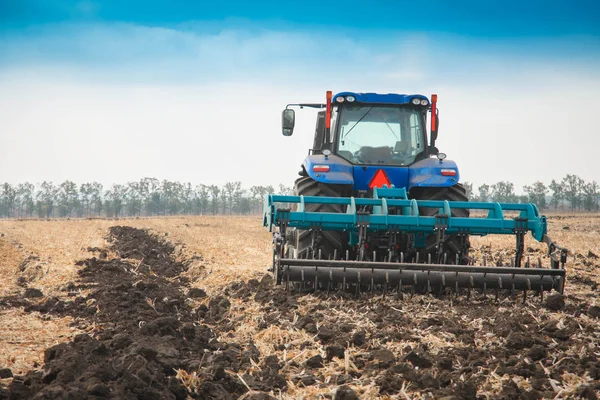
402 148
375 155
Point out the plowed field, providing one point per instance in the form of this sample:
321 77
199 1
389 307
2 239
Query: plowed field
178 308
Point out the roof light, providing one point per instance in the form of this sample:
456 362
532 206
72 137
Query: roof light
350 99
441 156
424 102
416 101
448 172
339 99
320 168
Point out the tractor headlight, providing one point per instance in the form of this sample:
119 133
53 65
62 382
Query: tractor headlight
350 99
416 101
424 102
339 99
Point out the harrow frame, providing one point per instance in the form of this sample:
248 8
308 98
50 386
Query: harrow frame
390 212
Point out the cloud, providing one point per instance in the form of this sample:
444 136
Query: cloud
115 102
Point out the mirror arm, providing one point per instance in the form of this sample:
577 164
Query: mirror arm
310 105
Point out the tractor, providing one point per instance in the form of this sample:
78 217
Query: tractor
377 205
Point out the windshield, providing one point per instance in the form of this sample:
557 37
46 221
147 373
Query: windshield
380 135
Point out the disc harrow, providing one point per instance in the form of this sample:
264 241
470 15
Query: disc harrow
390 214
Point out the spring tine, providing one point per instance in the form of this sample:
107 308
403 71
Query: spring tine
400 296
344 283
335 254
524 295
443 281
497 294
471 284
347 255
374 256
429 258
456 260
390 256
500 282
500 261
287 278
539 262
512 262
358 284
428 281
320 254
387 281
542 293
485 289
372 283
527 264
417 259
512 291
316 277
402 257
414 287
484 261
456 284
445 258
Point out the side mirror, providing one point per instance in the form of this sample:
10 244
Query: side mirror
288 119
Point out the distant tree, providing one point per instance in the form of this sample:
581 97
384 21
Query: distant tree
115 196
214 198
537 194
150 191
558 194
504 192
25 193
233 192
590 196
285 190
188 197
573 190
522 198
202 198
133 199
223 201
68 198
484 193
171 196
46 199
8 196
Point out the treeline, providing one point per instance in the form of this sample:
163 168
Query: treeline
147 197
151 197
569 194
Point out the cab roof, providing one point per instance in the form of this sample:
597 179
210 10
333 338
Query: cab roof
376 98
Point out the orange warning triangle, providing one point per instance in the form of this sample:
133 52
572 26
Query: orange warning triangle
379 179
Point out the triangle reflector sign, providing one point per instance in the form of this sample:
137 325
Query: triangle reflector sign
379 179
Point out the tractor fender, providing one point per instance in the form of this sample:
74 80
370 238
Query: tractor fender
428 173
340 170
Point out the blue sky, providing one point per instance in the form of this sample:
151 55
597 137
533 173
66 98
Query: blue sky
507 18
153 83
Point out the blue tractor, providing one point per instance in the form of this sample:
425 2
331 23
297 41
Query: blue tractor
377 205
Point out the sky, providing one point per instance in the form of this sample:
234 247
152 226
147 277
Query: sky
114 91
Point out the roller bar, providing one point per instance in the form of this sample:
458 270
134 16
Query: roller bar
429 277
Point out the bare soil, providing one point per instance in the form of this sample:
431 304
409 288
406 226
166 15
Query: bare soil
156 314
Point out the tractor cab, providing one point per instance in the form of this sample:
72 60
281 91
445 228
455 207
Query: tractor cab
374 139
371 129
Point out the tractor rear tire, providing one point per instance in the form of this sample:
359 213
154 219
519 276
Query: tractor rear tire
452 242
328 241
